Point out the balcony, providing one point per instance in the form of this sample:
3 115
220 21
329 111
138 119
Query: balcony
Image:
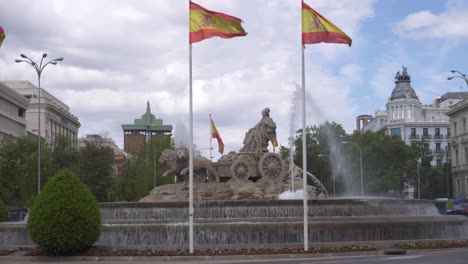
426 136
447 136
439 152
438 136
413 136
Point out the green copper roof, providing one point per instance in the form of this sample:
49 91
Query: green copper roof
148 122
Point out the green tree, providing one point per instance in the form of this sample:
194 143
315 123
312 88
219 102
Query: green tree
95 169
3 212
65 154
18 169
139 177
65 217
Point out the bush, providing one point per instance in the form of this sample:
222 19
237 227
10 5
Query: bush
65 217
3 212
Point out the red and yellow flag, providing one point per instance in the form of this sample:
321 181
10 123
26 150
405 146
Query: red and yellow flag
206 24
215 134
2 35
317 29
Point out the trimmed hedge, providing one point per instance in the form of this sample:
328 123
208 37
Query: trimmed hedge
3 212
65 217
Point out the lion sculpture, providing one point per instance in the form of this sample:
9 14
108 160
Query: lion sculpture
178 164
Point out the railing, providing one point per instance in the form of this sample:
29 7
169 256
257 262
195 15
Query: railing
447 136
439 152
426 136
414 136
438 136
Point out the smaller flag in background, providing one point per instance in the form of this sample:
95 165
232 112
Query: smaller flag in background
215 134
316 28
2 35
206 24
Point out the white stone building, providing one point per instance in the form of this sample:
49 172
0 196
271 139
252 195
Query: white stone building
459 151
12 113
56 118
406 117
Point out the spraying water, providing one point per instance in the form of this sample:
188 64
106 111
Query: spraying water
181 135
295 103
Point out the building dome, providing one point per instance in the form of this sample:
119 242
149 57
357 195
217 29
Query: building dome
403 87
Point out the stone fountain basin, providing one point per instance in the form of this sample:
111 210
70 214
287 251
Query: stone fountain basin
261 223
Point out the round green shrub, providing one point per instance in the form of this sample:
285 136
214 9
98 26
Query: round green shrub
3 212
65 217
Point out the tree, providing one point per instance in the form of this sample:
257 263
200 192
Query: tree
18 170
95 169
65 155
65 218
139 177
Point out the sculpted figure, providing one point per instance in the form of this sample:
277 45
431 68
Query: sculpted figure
178 164
257 138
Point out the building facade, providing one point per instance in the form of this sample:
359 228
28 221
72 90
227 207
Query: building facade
406 117
120 158
56 118
12 113
459 151
143 130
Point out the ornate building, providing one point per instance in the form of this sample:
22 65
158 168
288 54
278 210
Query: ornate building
406 117
56 118
143 130
12 113
459 151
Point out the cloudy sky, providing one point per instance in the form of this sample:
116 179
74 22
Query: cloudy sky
119 54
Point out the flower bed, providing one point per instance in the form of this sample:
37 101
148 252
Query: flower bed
99 251
433 244
5 252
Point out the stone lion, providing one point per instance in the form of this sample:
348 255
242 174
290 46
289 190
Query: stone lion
177 162
168 158
201 165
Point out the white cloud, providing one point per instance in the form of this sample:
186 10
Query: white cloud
427 25
119 54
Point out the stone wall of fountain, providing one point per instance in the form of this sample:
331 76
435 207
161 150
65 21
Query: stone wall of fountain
258 223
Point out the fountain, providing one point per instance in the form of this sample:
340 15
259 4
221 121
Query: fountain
236 205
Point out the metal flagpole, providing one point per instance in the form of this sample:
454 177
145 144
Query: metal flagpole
211 138
304 155
190 155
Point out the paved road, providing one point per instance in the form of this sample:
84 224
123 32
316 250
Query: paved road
447 257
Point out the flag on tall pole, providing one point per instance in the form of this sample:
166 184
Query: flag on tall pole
215 134
204 24
315 29
2 35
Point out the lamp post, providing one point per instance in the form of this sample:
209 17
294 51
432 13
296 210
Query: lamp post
39 68
333 173
460 75
360 159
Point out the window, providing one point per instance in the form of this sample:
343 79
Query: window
437 131
454 128
395 132
413 131
466 155
448 132
456 157
464 124
425 131
439 162
437 146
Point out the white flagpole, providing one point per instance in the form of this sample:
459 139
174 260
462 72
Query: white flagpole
190 155
304 155
211 138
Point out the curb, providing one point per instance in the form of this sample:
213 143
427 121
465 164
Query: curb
9 259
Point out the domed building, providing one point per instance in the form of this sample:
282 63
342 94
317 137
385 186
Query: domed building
406 117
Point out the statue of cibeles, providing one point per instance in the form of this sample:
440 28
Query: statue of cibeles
257 138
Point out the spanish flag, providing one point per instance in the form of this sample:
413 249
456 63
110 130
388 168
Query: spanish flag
2 35
206 24
316 28
215 134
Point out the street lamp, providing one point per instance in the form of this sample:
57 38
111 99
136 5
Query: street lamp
333 173
39 68
360 159
461 76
